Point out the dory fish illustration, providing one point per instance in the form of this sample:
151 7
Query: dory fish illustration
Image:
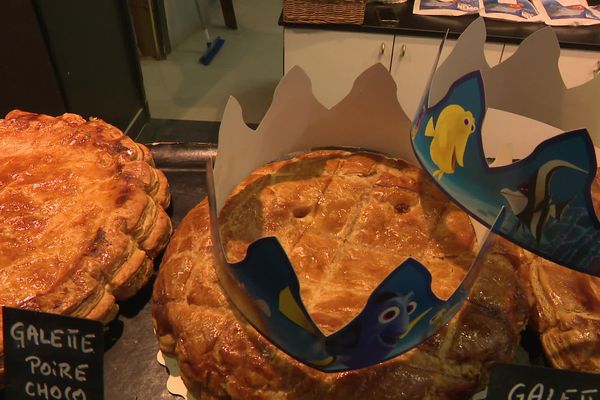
450 133
532 201
393 320
385 320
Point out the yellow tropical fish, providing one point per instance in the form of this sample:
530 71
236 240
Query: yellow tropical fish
450 135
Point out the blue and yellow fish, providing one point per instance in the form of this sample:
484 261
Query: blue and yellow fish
450 133
385 321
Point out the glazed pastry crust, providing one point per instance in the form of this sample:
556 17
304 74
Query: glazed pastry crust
81 215
346 220
566 309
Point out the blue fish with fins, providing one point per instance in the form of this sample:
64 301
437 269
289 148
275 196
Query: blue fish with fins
385 321
398 315
532 201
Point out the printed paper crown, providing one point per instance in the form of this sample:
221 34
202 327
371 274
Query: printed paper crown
548 192
540 192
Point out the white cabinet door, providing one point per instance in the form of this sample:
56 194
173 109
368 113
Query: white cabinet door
411 65
412 61
334 59
576 66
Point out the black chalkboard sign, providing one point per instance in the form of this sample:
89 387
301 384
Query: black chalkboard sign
51 357
519 382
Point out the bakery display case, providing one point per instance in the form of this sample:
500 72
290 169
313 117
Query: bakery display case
86 213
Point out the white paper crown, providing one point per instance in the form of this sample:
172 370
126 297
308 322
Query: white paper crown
371 117
530 103
368 117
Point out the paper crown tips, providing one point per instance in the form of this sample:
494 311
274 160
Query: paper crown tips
296 121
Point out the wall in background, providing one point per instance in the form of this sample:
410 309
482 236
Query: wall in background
182 19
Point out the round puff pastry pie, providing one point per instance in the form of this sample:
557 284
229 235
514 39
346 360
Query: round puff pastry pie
81 215
346 220
566 309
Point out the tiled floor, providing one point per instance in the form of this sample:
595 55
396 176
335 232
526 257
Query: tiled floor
248 67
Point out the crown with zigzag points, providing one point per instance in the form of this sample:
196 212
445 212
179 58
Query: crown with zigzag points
469 113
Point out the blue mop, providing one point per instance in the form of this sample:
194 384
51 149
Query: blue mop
212 46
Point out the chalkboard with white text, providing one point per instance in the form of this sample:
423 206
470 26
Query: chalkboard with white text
51 357
519 382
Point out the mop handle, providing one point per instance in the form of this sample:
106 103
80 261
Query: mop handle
203 23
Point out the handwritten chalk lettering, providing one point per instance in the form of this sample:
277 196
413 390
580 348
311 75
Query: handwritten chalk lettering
61 370
54 392
51 357
520 391
83 343
25 335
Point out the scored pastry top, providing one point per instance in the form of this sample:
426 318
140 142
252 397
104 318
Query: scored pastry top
345 220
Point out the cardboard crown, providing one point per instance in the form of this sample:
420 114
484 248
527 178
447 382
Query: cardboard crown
448 138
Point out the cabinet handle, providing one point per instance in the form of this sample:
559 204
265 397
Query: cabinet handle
402 51
596 69
382 51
